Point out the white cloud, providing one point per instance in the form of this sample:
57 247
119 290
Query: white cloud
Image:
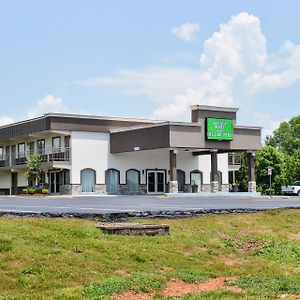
49 103
287 61
266 121
234 66
4 120
157 83
187 31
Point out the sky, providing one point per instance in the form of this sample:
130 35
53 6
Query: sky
150 59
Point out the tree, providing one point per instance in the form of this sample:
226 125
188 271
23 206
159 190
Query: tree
269 156
287 136
34 163
242 174
293 166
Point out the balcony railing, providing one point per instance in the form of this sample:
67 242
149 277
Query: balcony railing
234 159
47 155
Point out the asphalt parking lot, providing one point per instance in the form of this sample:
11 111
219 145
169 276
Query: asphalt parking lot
111 204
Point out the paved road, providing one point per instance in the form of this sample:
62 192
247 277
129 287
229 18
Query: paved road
110 204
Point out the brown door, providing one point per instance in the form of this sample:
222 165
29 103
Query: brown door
14 183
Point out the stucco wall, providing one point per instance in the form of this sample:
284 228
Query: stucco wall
5 180
91 150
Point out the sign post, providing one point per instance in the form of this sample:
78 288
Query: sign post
270 175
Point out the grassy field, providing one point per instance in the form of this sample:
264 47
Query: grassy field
71 259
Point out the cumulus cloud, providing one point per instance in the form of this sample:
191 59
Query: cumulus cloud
4 120
284 73
234 65
187 31
267 122
157 83
49 103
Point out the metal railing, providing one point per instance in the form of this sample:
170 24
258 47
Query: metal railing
47 155
234 159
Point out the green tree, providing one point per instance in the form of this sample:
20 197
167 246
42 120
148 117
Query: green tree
242 174
269 156
34 171
292 163
287 136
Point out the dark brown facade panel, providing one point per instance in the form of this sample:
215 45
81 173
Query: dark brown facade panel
143 138
95 125
22 129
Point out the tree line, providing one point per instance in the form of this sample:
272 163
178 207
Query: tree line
281 152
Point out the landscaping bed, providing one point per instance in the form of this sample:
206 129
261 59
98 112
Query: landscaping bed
243 256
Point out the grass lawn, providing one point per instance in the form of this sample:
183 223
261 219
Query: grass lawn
71 259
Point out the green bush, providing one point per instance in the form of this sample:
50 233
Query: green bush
31 191
45 191
25 191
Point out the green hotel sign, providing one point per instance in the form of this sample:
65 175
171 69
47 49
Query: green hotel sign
219 129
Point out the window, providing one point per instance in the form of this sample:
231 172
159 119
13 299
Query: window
196 180
41 147
1 153
88 180
31 148
21 150
56 144
132 179
112 179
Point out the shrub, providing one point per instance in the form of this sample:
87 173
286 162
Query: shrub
25 191
45 191
31 191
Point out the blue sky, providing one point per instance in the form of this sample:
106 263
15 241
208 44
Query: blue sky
150 58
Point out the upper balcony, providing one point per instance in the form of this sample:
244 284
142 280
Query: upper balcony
48 155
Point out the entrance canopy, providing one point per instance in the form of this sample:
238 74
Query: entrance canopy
211 128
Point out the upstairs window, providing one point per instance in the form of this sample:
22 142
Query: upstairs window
56 144
21 150
41 146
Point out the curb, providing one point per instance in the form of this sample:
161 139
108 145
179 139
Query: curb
140 214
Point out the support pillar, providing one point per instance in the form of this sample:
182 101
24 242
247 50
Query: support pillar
251 172
173 185
214 183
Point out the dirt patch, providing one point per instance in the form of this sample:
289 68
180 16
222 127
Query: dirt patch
240 244
250 245
175 288
295 236
290 296
122 273
195 251
178 288
16 263
231 260
133 296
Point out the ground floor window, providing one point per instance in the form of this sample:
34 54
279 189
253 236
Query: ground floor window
112 179
132 179
88 180
196 180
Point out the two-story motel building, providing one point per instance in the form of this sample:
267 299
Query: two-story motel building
96 154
